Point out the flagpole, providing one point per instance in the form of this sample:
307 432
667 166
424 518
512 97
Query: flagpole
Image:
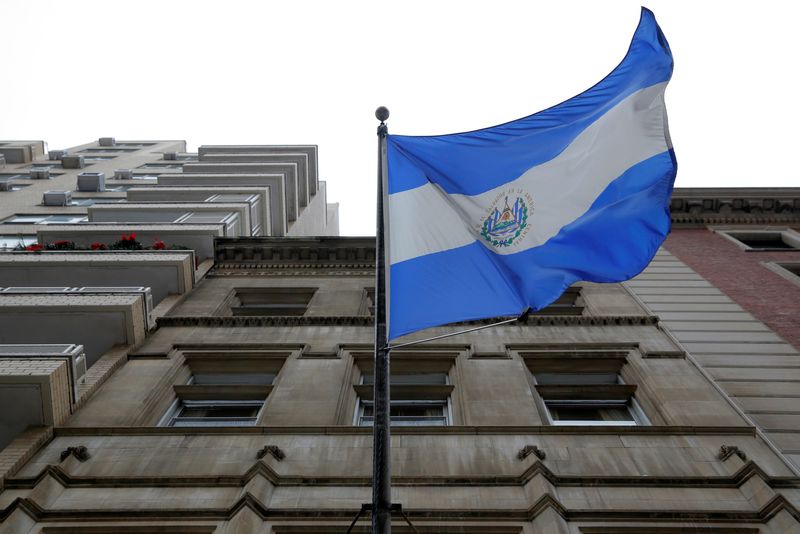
381 435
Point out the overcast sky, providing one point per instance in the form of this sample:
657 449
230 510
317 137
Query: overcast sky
268 72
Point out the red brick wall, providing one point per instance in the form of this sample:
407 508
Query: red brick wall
768 296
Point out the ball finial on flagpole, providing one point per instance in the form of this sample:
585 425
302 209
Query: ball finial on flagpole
382 113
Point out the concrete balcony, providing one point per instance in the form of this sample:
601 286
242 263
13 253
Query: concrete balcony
40 383
235 216
283 208
298 158
96 321
197 237
256 197
209 152
164 272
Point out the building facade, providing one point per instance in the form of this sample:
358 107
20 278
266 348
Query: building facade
242 402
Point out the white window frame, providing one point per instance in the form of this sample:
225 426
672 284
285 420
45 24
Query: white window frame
636 412
172 414
359 416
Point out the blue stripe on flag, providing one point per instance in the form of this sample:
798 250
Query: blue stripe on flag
613 241
484 159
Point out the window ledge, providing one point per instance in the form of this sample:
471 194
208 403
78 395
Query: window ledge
408 391
587 391
222 392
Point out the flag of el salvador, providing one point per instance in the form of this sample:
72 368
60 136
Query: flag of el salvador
490 222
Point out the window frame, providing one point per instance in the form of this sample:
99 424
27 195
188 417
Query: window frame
179 404
446 403
786 235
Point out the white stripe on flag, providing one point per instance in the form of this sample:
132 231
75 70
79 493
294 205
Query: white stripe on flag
562 189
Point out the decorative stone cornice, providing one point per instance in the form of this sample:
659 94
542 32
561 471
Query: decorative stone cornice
735 205
537 468
73 431
366 320
329 251
547 501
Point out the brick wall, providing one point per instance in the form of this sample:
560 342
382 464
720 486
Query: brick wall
22 449
741 275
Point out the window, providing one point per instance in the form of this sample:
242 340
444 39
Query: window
368 302
217 398
765 240
46 219
11 176
96 157
216 413
108 150
161 165
134 145
587 399
788 270
583 387
271 301
417 399
226 387
92 201
37 166
569 303
11 242
8 187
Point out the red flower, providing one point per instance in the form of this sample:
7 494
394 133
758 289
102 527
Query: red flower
97 246
36 247
159 245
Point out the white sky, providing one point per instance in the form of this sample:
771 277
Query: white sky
313 72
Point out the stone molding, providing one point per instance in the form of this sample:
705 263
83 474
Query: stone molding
366 320
735 205
547 501
537 468
411 430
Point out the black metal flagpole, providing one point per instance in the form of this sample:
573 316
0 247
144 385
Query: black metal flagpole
381 435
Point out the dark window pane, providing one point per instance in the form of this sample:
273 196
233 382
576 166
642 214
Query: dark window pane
232 411
588 412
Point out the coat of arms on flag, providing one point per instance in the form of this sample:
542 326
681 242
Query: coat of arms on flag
505 223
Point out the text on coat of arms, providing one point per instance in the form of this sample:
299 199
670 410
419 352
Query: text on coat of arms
507 222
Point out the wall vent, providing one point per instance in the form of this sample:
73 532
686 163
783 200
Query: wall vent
170 156
57 198
106 141
73 161
40 173
123 174
55 155
92 181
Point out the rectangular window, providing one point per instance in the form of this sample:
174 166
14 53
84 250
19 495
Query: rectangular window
368 301
408 413
11 242
417 399
7 187
161 165
227 387
271 301
216 413
45 219
588 399
765 240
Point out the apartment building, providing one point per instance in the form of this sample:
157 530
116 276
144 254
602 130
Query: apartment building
243 403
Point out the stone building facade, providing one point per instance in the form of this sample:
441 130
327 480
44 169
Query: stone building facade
669 403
